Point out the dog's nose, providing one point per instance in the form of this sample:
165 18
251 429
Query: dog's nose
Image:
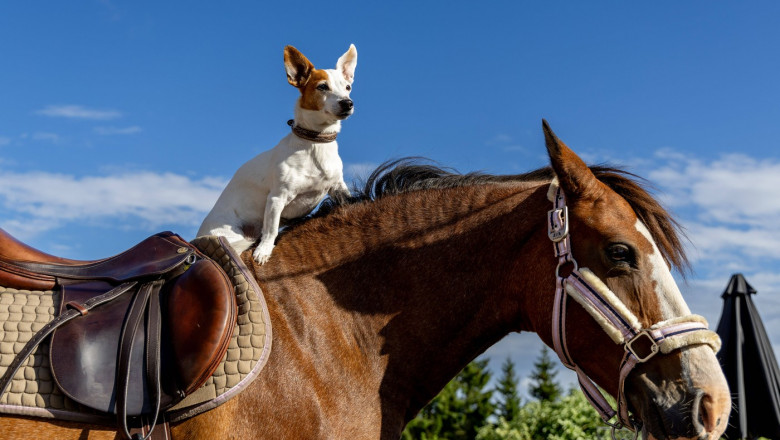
346 104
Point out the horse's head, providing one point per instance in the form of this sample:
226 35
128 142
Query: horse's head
624 238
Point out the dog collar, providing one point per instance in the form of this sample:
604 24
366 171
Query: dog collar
311 135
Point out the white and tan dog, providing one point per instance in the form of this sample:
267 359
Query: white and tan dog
289 180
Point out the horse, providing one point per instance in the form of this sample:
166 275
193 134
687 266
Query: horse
379 300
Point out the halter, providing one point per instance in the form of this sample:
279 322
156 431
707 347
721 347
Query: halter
640 344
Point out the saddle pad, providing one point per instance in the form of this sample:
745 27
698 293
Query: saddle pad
34 393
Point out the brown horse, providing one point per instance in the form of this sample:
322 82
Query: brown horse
382 300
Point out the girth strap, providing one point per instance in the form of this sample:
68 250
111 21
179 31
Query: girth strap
74 310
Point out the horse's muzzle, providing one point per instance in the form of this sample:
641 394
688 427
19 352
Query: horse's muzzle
696 406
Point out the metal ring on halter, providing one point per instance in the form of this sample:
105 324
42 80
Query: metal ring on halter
629 346
569 260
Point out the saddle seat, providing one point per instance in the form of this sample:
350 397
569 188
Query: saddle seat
24 267
14 250
136 332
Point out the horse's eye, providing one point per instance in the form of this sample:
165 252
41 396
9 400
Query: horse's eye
323 87
619 253
349 87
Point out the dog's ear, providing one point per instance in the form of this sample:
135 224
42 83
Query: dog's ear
297 66
347 63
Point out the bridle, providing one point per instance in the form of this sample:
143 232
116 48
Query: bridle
623 327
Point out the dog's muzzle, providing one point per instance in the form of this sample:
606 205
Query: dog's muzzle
347 107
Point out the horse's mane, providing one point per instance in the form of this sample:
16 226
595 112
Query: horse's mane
411 174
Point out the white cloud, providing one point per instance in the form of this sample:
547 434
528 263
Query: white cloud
358 171
107 131
723 242
734 189
43 136
499 139
727 206
78 112
4 141
51 200
703 297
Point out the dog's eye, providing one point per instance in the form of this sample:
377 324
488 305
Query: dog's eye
323 87
349 87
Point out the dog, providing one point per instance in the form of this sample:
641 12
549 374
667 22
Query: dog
289 180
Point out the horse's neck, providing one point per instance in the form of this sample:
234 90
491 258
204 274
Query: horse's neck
409 288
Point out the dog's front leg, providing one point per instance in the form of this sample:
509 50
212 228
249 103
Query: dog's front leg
273 212
340 192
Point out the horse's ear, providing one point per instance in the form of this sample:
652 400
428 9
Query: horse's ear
574 177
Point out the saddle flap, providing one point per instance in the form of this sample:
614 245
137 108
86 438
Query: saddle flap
199 309
201 315
83 353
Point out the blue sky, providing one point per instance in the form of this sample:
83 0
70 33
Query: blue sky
121 119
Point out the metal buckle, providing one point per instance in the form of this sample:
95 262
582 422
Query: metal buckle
653 346
616 427
558 225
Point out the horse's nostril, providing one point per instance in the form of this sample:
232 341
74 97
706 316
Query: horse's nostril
703 413
706 416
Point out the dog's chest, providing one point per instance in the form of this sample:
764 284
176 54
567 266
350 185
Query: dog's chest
310 177
313 170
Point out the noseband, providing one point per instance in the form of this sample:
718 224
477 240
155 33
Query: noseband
623 327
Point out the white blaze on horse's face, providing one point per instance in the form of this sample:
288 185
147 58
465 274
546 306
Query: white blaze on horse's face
699 365
671 301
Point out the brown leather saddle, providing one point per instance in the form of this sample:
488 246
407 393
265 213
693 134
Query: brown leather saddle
135 333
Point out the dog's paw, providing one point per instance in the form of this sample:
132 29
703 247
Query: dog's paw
262 253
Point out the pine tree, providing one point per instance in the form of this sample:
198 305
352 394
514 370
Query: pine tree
509 406
544 387
477 401
459 411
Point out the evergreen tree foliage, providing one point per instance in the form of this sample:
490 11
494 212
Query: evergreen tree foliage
509 399
464 410
568 418
459 410
544 387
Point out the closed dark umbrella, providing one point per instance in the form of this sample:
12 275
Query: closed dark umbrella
749 364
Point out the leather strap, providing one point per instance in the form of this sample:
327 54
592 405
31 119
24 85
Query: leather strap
74 310
311 135
162 431
147 298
